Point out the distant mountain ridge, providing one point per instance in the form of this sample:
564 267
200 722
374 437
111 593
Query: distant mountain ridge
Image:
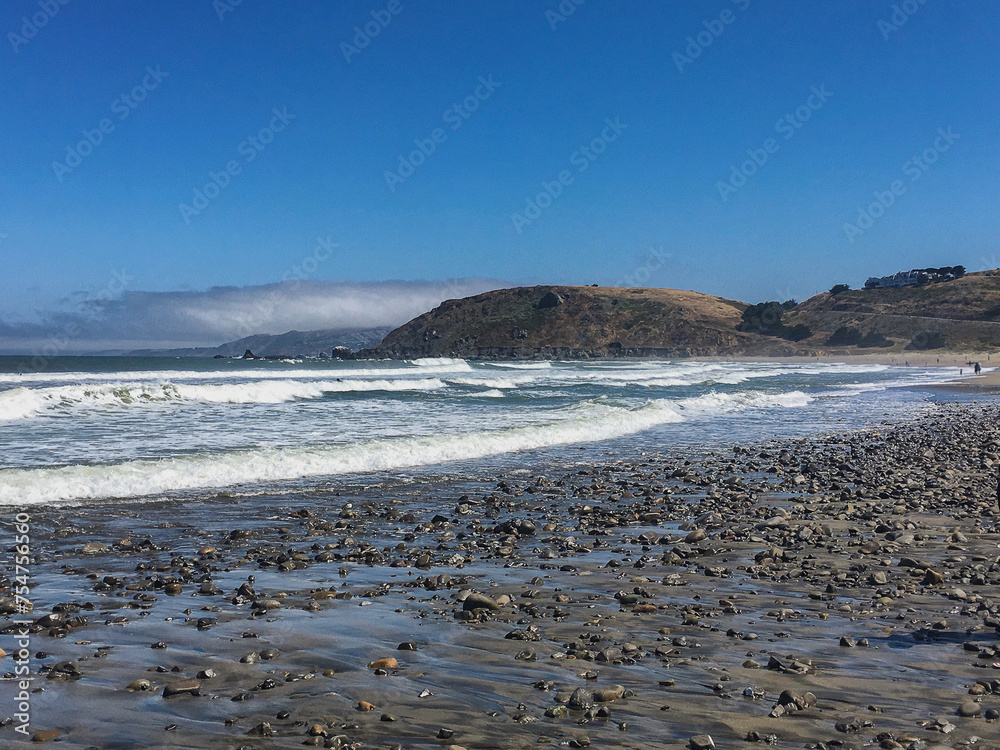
292 343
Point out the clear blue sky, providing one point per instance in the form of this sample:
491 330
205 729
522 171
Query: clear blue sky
655 186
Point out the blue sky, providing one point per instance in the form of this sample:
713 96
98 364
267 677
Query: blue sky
553 82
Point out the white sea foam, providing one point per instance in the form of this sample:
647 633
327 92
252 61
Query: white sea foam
521 365
439 362
247 373
22 403
588 422
19 403
477 382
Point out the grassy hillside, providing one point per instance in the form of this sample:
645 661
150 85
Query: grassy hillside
965 312
566 321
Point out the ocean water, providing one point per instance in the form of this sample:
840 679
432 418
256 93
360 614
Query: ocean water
104 429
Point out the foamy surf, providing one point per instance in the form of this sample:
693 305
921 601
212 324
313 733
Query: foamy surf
585 423
23 403
255 372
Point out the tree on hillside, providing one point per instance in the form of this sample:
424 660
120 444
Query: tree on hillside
927 340
845 336
839 289
873 340
764 318
797 332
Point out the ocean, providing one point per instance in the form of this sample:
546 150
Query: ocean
106 429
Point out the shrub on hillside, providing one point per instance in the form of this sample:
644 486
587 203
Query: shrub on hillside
764 318
845 336
873 340
927 340
797 332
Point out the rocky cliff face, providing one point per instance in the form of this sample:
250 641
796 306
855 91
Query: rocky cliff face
562 322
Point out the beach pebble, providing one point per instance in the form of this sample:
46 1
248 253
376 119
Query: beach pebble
849 724
609 694
581 699
933 578
263 729
387 663
969 709
476 601
181 687
701 742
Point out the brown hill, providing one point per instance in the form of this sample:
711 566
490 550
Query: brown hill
964 313
572 322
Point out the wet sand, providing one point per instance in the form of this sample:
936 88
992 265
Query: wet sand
834 592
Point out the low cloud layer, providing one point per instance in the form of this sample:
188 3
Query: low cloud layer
215 316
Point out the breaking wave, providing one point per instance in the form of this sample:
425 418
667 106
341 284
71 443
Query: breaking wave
22 403
590 421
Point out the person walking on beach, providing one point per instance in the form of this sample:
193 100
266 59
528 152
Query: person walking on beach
979 368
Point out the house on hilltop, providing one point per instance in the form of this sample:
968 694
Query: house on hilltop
915 277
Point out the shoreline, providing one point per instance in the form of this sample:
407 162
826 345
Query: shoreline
642 602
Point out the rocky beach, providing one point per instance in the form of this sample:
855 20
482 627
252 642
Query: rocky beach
832 592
